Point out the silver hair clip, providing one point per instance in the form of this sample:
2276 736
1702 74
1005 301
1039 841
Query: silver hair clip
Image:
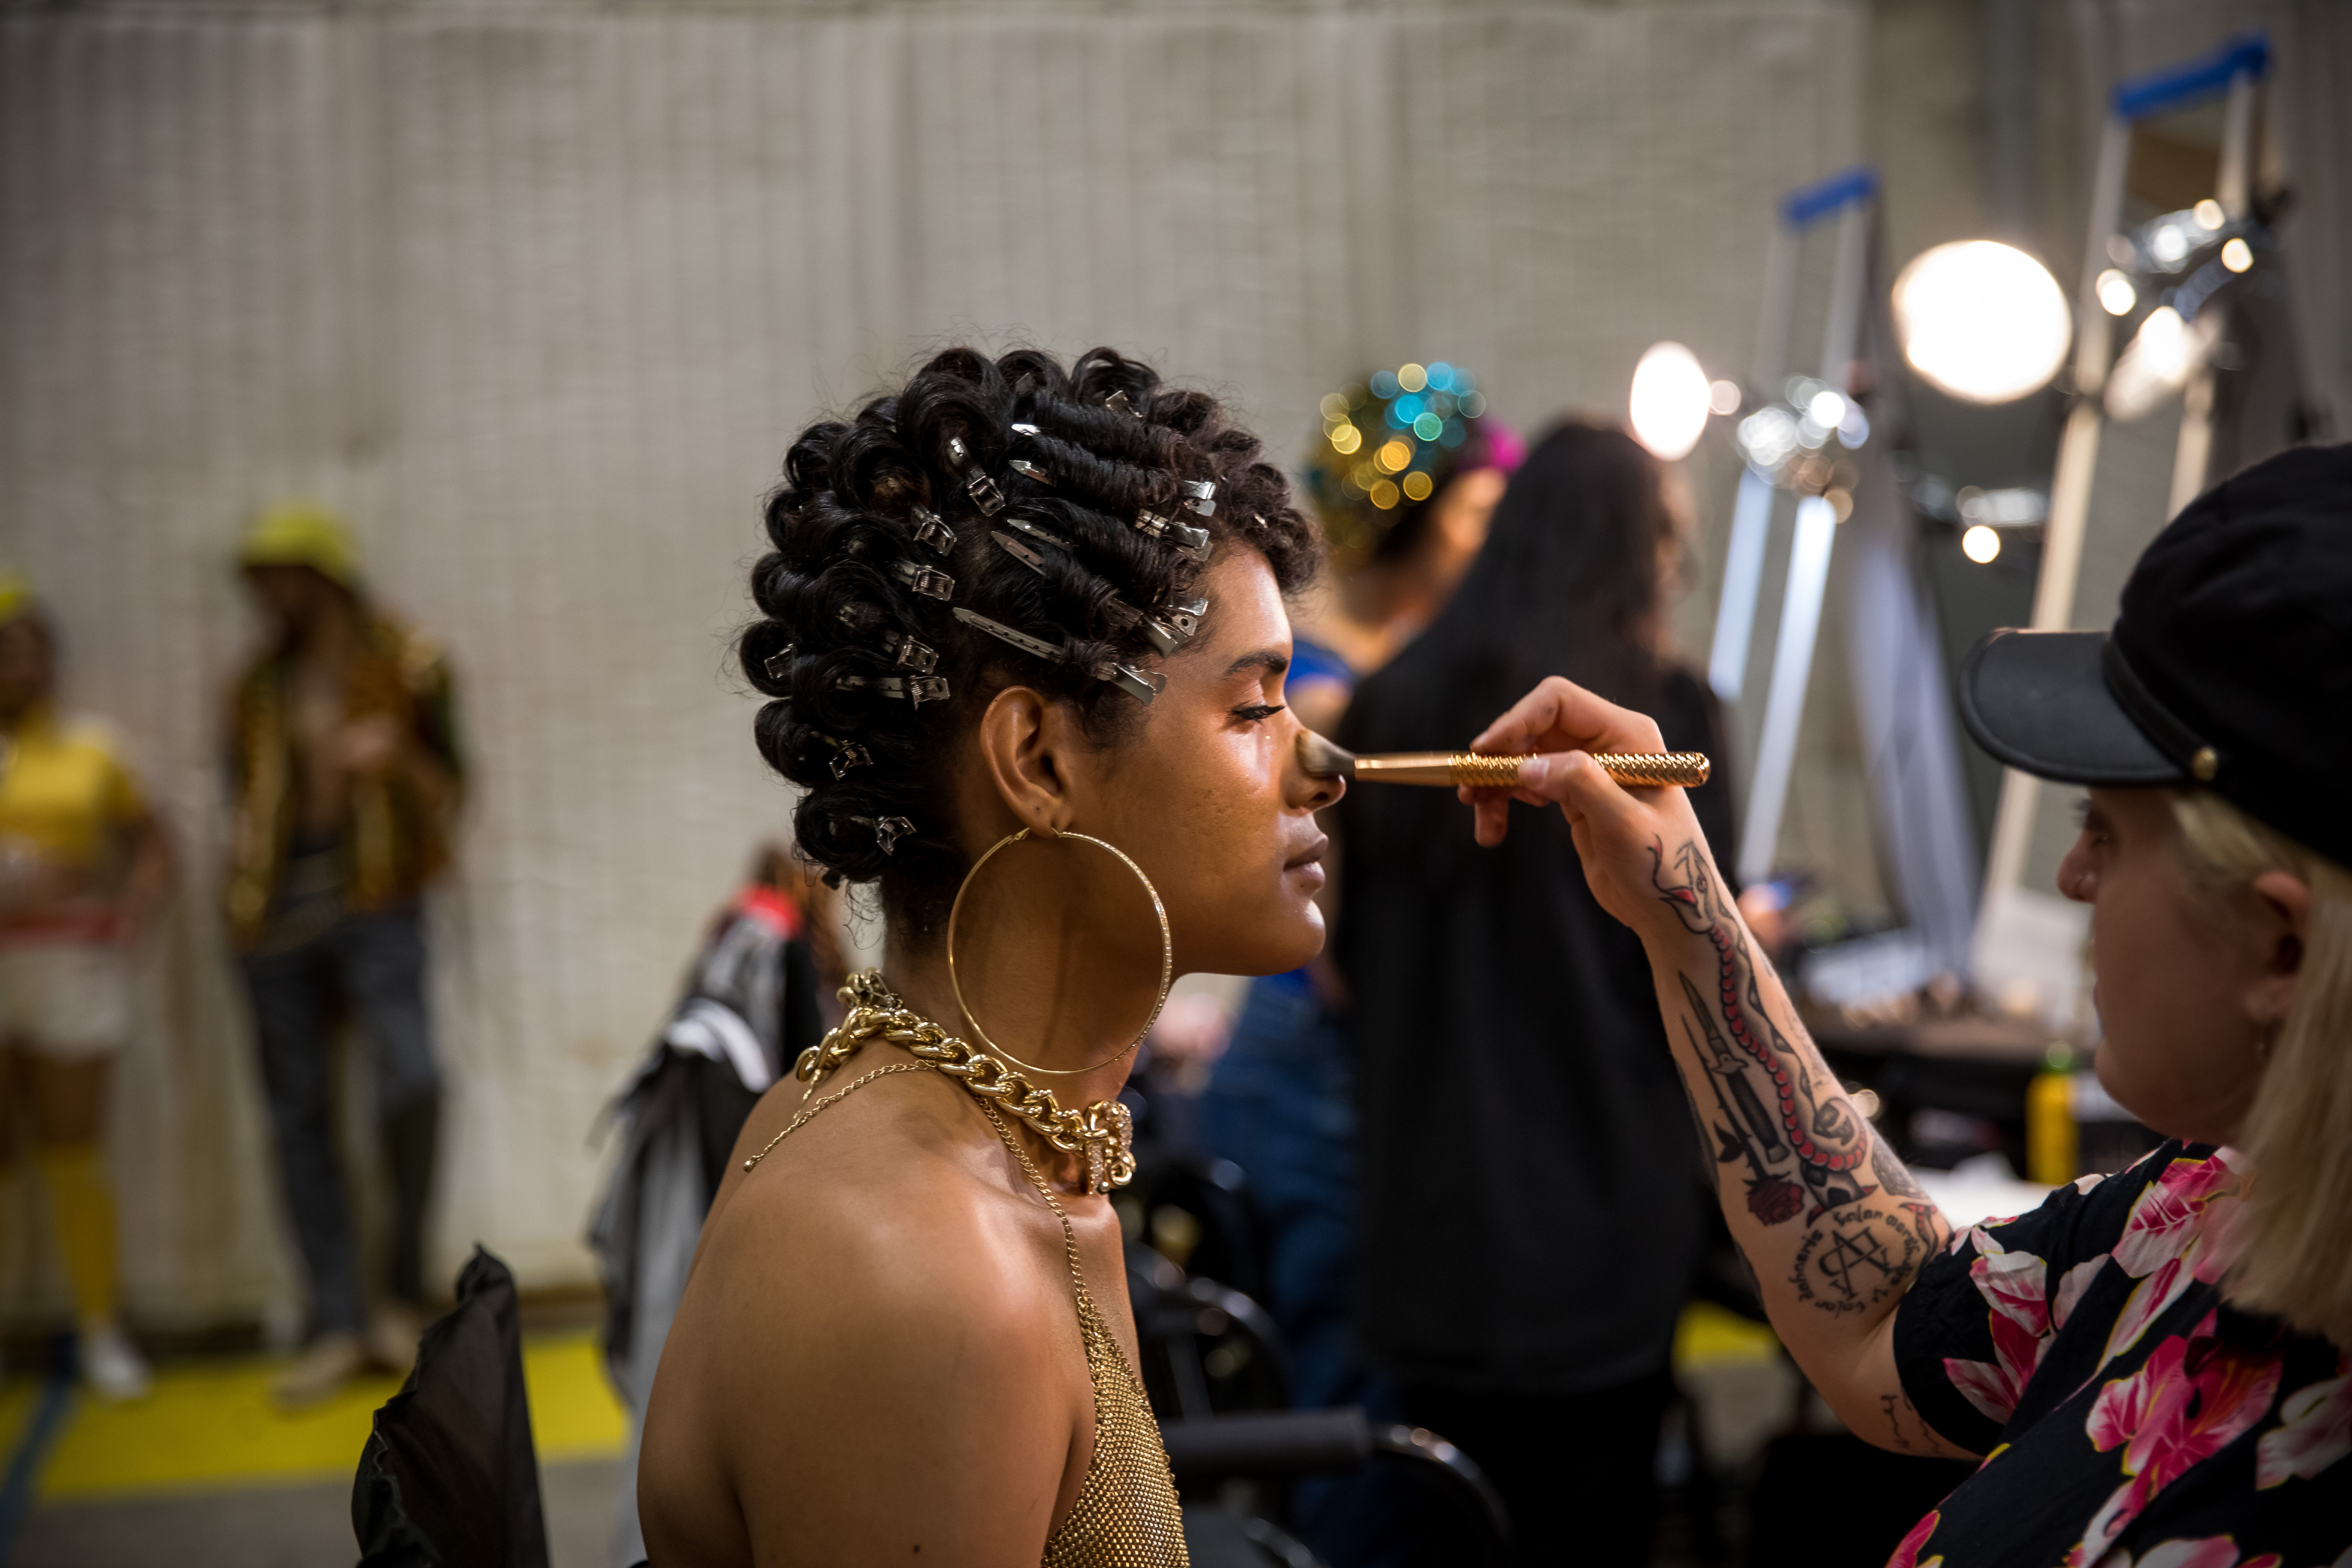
930 530
920 657
846 754
1201 493
1003 633
1181 536
1026 429
1143 685
1044 536
888 830
979 486
776 664
916 689
1118 403
927 580
1183 615
1020 552
1029 470
1163 636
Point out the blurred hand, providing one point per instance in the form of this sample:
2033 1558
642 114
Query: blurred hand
1621 835
370 744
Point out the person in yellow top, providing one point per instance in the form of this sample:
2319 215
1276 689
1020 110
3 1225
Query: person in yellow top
344 774
83 866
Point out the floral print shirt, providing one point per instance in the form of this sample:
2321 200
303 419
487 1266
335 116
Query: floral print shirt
2129 1417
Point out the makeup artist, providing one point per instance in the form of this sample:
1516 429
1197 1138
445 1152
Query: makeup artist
2154 1364
1531 1206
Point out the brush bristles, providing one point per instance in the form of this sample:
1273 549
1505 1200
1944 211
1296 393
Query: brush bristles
1319 758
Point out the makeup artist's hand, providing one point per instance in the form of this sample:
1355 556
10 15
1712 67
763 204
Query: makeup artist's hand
1621 834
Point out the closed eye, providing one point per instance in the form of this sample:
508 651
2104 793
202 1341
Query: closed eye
1257 711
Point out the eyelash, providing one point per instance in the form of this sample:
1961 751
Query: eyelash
1251 715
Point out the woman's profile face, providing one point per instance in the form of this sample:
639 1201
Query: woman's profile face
1206 793
2174 968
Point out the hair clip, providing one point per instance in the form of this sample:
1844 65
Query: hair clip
1143 685
775 664
1118 403
1003 633
1026 429
930 530
920 657
1183 615
1029 470
846 754
1127 617
1201 492
979 486
925 580
1020 552
1182 537
916 689
1043 536
888 830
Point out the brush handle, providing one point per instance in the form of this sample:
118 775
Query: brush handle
1447 770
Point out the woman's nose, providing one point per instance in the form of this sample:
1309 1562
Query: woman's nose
2077 878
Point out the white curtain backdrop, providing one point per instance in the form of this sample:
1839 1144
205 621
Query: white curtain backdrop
540 292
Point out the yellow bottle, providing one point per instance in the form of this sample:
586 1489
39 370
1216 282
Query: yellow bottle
2052 1146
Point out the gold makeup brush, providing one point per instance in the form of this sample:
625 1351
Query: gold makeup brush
1686 770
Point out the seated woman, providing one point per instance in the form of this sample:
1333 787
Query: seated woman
2153 1364
1024 628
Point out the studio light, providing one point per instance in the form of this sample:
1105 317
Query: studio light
2158 360
1981 321
1671 400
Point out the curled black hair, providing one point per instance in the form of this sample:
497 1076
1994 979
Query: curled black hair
886 525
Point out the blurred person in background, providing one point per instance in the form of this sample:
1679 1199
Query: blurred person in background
84 866
1530 1212
1403 480
344 777
751 1004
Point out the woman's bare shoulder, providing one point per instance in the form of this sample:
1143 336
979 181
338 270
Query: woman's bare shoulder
910 1313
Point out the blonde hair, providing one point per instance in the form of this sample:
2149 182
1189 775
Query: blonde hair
2296 1263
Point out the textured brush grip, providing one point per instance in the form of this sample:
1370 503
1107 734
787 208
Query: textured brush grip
1686 769
1485 772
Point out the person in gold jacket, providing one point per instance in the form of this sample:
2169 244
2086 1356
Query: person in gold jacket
345 775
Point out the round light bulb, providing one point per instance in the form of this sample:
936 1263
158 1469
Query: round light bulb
1981 321
1981 544
1670 400
2236 254
2116 295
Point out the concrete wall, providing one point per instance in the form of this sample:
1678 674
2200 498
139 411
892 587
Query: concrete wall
538 292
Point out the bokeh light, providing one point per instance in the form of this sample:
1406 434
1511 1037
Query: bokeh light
1393 456
1417 486
1428 426
2116 295
2208 214
1981 321
1670 400
1981 544
1384 495
2236 254
1345 439
1412 377
1723 397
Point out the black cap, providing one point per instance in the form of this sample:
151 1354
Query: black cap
2229 664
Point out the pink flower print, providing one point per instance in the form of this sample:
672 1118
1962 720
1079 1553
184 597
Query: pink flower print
1906 1552
2165 1218
2314 1430
2012 1284
2147 1303
2070 1286
2193 1398
2208 1551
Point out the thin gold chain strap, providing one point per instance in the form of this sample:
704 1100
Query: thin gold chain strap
834 1098
1045 1191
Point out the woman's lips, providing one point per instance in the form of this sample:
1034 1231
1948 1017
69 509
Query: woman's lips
1312 856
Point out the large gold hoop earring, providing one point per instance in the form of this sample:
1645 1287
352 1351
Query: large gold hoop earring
1167 957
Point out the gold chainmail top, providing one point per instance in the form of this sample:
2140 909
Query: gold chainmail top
1126 1515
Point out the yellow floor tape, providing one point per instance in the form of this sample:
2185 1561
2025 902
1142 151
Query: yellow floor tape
212 1426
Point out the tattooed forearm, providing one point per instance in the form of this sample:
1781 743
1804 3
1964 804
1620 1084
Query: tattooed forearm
1832 1224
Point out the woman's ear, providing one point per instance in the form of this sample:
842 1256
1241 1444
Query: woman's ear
1024 741
2282 915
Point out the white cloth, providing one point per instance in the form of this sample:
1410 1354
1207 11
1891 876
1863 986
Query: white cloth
68 1001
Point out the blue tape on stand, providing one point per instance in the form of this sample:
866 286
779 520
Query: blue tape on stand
1822 198
2159 92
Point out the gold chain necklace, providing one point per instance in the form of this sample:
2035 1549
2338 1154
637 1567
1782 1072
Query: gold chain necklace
1102 1134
